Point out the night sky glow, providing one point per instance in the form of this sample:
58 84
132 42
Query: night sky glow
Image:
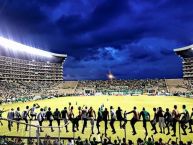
133 39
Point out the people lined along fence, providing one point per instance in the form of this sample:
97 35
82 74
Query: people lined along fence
167 120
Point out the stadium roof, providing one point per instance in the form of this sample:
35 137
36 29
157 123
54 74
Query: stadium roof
185 52
12 48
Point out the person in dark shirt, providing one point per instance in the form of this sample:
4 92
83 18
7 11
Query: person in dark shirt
50 118
154 121
113 118
191 122
57 116
119 116
175 119
134 119
78 118
185 117
99 119
168 119
160 115
106 118
64 114
17 117
146 116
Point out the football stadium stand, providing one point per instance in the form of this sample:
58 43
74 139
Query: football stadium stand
25 63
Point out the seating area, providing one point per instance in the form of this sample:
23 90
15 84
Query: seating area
121 85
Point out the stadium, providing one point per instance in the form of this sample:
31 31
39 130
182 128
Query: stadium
33 77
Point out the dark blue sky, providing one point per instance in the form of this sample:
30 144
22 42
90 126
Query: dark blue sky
131 38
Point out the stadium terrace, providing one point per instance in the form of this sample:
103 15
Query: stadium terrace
22 62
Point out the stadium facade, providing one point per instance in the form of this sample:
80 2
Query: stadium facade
186 54
19 62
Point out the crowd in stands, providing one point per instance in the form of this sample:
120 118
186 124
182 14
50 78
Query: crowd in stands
119 85
9 91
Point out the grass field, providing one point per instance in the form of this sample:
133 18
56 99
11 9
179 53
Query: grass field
125 102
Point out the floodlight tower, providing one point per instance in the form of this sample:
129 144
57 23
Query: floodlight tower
110 76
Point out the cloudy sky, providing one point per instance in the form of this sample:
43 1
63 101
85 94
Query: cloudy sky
133 39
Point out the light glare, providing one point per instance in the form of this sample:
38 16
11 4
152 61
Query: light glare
22 48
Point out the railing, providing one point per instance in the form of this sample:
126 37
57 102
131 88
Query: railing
60 135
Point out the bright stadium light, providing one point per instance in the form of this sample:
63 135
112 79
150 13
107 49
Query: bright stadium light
13 45
110 76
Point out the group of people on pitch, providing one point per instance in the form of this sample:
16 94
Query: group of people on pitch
165 119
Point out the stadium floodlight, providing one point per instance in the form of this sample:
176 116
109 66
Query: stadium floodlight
15 46
111 76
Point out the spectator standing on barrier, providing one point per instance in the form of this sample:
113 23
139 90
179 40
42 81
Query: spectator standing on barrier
64 114
191 122
71 117
50 118
40 118
10 117
32 111
99 119
78 118
175 119
84 117
18 117
106 118
134 119
57 116
92 117
168 120
160 115
146 117
25 116
184 119
119 116
113 118
154 121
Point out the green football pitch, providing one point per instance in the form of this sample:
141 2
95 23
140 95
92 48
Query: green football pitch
125 102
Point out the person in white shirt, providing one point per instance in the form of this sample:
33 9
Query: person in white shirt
32 111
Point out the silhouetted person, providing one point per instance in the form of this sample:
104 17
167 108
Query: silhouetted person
105 118
57 116
119 116
84 117
18 117
191 122
184 119
160 115
168 119
146 117
99 119
64 114
50 118
154 121
113 118
25 116
134 119
175 119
